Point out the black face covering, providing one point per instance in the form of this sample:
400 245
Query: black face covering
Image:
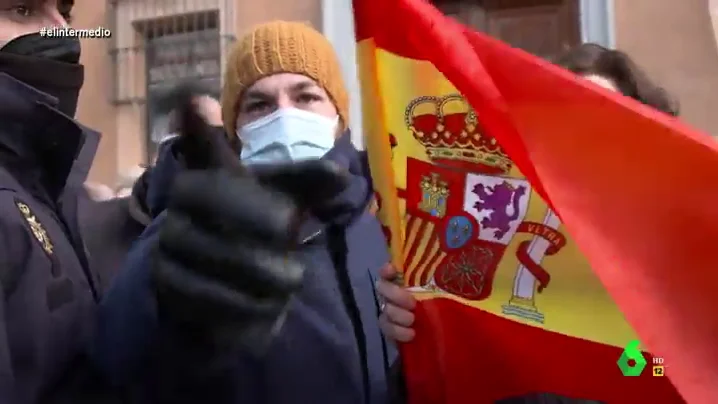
50 64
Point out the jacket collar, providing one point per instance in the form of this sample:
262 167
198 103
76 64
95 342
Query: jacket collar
39 141
348 205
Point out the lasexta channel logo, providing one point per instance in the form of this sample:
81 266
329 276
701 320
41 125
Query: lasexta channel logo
632 361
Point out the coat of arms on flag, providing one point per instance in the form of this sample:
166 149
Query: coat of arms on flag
464 206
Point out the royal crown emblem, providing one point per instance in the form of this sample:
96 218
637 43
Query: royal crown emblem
449 130
434 193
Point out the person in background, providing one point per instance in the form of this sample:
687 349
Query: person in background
48 289
610 69
256 285
616 71
113 224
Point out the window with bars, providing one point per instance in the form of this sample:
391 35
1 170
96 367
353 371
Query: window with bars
158 44
176 51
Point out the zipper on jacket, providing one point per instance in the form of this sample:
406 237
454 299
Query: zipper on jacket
311 237
339 251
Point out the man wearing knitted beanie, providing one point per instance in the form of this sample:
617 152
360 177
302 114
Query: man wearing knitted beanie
272 300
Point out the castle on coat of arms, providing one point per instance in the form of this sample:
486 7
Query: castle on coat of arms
434 193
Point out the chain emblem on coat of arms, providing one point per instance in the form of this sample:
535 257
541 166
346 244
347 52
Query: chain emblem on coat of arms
37 229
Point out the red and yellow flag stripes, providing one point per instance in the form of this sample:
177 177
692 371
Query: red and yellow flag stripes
468 139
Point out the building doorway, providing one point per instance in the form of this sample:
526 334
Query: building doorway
544 28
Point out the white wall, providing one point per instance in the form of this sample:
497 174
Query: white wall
713 10
338 26
598 22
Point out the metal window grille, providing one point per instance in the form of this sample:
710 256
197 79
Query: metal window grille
160 43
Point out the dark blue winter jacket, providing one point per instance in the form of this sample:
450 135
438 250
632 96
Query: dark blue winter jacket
48 289
330 350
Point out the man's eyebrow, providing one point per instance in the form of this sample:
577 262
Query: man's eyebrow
304 85
255 94
300 86
9 3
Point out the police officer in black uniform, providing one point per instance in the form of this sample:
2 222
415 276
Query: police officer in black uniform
48 293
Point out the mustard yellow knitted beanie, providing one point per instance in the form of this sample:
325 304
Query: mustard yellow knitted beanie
281 47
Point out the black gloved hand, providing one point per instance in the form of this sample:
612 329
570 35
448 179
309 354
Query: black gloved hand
224 268
199 145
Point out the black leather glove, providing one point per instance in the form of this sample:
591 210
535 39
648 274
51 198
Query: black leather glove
223 269
199 145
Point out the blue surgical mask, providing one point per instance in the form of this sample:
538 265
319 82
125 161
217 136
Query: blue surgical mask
286 135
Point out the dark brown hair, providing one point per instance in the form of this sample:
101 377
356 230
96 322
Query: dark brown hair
617 66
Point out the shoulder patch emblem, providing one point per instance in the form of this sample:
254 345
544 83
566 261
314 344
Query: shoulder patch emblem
38 230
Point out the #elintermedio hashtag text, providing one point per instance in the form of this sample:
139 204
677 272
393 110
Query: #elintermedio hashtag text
59 32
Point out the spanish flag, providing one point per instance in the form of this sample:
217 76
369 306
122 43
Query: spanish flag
560 238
